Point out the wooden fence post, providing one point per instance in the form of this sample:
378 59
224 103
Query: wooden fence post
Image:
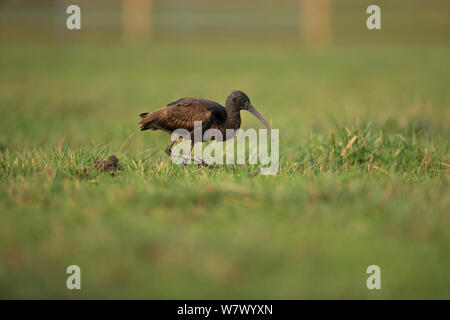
136 19
315 22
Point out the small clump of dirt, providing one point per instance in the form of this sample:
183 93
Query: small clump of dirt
109 165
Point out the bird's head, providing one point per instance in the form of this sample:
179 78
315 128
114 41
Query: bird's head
242 102
239 99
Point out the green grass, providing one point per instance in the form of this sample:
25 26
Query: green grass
157 230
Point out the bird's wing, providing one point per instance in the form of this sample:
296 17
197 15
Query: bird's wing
182 114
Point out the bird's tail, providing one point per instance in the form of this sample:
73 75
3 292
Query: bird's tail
147 120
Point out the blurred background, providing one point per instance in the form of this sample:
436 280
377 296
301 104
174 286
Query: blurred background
310 67
314 56
326 22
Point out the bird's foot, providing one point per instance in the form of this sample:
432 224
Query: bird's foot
204 164
209 166
196 161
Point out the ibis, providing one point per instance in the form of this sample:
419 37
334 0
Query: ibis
182 113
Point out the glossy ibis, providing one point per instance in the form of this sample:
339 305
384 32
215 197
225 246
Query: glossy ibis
182 113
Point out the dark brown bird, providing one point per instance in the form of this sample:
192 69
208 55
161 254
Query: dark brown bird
182 114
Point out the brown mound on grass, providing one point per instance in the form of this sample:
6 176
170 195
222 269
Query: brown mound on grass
111 164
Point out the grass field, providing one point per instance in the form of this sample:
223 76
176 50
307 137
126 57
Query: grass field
157 230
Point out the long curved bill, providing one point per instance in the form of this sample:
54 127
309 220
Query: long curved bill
253 111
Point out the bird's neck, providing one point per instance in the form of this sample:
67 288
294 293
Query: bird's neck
233 116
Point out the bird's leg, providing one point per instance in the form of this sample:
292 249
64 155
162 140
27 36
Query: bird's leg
190 152
170 153
169 147
196 160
